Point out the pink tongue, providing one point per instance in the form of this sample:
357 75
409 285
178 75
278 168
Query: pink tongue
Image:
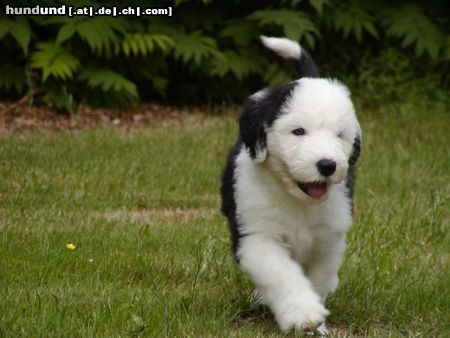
316 190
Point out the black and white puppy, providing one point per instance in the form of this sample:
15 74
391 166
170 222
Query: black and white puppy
287 190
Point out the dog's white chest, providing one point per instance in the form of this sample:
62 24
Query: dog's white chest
302 231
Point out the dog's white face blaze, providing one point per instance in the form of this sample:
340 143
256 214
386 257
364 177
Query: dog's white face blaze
324 110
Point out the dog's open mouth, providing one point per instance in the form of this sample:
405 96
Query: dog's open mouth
314 190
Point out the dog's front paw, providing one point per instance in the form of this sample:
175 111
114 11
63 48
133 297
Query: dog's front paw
307 315
323 330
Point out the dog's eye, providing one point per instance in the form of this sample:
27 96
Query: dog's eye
341 135
299 132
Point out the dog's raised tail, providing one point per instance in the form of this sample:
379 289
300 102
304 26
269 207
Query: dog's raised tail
293 52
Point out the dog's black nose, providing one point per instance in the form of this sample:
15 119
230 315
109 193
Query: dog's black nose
326 166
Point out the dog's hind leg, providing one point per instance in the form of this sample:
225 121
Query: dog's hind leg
281 283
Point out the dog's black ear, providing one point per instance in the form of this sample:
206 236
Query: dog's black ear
253 129
355 151
258 114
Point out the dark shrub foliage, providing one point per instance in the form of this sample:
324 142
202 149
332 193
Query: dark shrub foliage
208 51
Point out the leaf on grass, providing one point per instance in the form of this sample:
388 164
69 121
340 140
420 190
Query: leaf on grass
137 320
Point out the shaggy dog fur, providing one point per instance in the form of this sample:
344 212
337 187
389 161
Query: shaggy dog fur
287 190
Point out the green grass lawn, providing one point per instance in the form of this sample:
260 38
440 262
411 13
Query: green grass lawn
153 255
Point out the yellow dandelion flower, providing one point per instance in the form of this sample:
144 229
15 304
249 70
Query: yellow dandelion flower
71 246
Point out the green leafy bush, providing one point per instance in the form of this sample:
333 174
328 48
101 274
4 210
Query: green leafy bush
209 51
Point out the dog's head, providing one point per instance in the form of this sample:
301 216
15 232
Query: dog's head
306 133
